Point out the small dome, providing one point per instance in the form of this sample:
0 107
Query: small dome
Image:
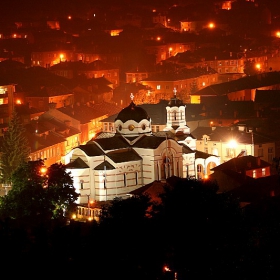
175 102
132 112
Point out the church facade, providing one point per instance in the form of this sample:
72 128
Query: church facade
114 164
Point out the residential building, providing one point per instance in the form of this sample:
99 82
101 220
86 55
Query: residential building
184 82
230 142
243 89
56 96
95 69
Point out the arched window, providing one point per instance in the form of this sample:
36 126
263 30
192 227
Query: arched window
199 171
124 179
166 168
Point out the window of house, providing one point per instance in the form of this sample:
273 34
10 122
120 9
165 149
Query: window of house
82 184
263 171
254 173
230 152
215 151
260 152
158 87
270 154
205 139
136 178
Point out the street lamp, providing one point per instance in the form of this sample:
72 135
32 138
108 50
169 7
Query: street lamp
169 51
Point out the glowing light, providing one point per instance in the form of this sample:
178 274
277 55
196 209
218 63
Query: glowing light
278 34
166 268
158 38
232 144
69 17
43 170
74 216
211 25
18 101
258 66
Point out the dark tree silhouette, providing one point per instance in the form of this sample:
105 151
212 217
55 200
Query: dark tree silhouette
14 149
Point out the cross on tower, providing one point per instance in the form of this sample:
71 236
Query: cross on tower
131 96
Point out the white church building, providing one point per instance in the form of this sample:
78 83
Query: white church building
114 164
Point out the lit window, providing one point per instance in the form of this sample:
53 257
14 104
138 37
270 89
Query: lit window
254 173
158 87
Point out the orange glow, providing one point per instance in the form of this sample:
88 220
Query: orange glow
18 101
158 38
258 66
166 268
43 170
211 25
278 34
69 17
232 144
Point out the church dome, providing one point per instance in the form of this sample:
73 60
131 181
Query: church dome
132 112
175 102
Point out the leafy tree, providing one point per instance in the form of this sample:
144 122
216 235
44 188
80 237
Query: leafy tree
250 68
193 87
14 149
39 194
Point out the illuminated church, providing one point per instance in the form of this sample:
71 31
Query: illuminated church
114 164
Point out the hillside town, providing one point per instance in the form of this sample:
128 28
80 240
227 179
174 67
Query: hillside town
130 95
